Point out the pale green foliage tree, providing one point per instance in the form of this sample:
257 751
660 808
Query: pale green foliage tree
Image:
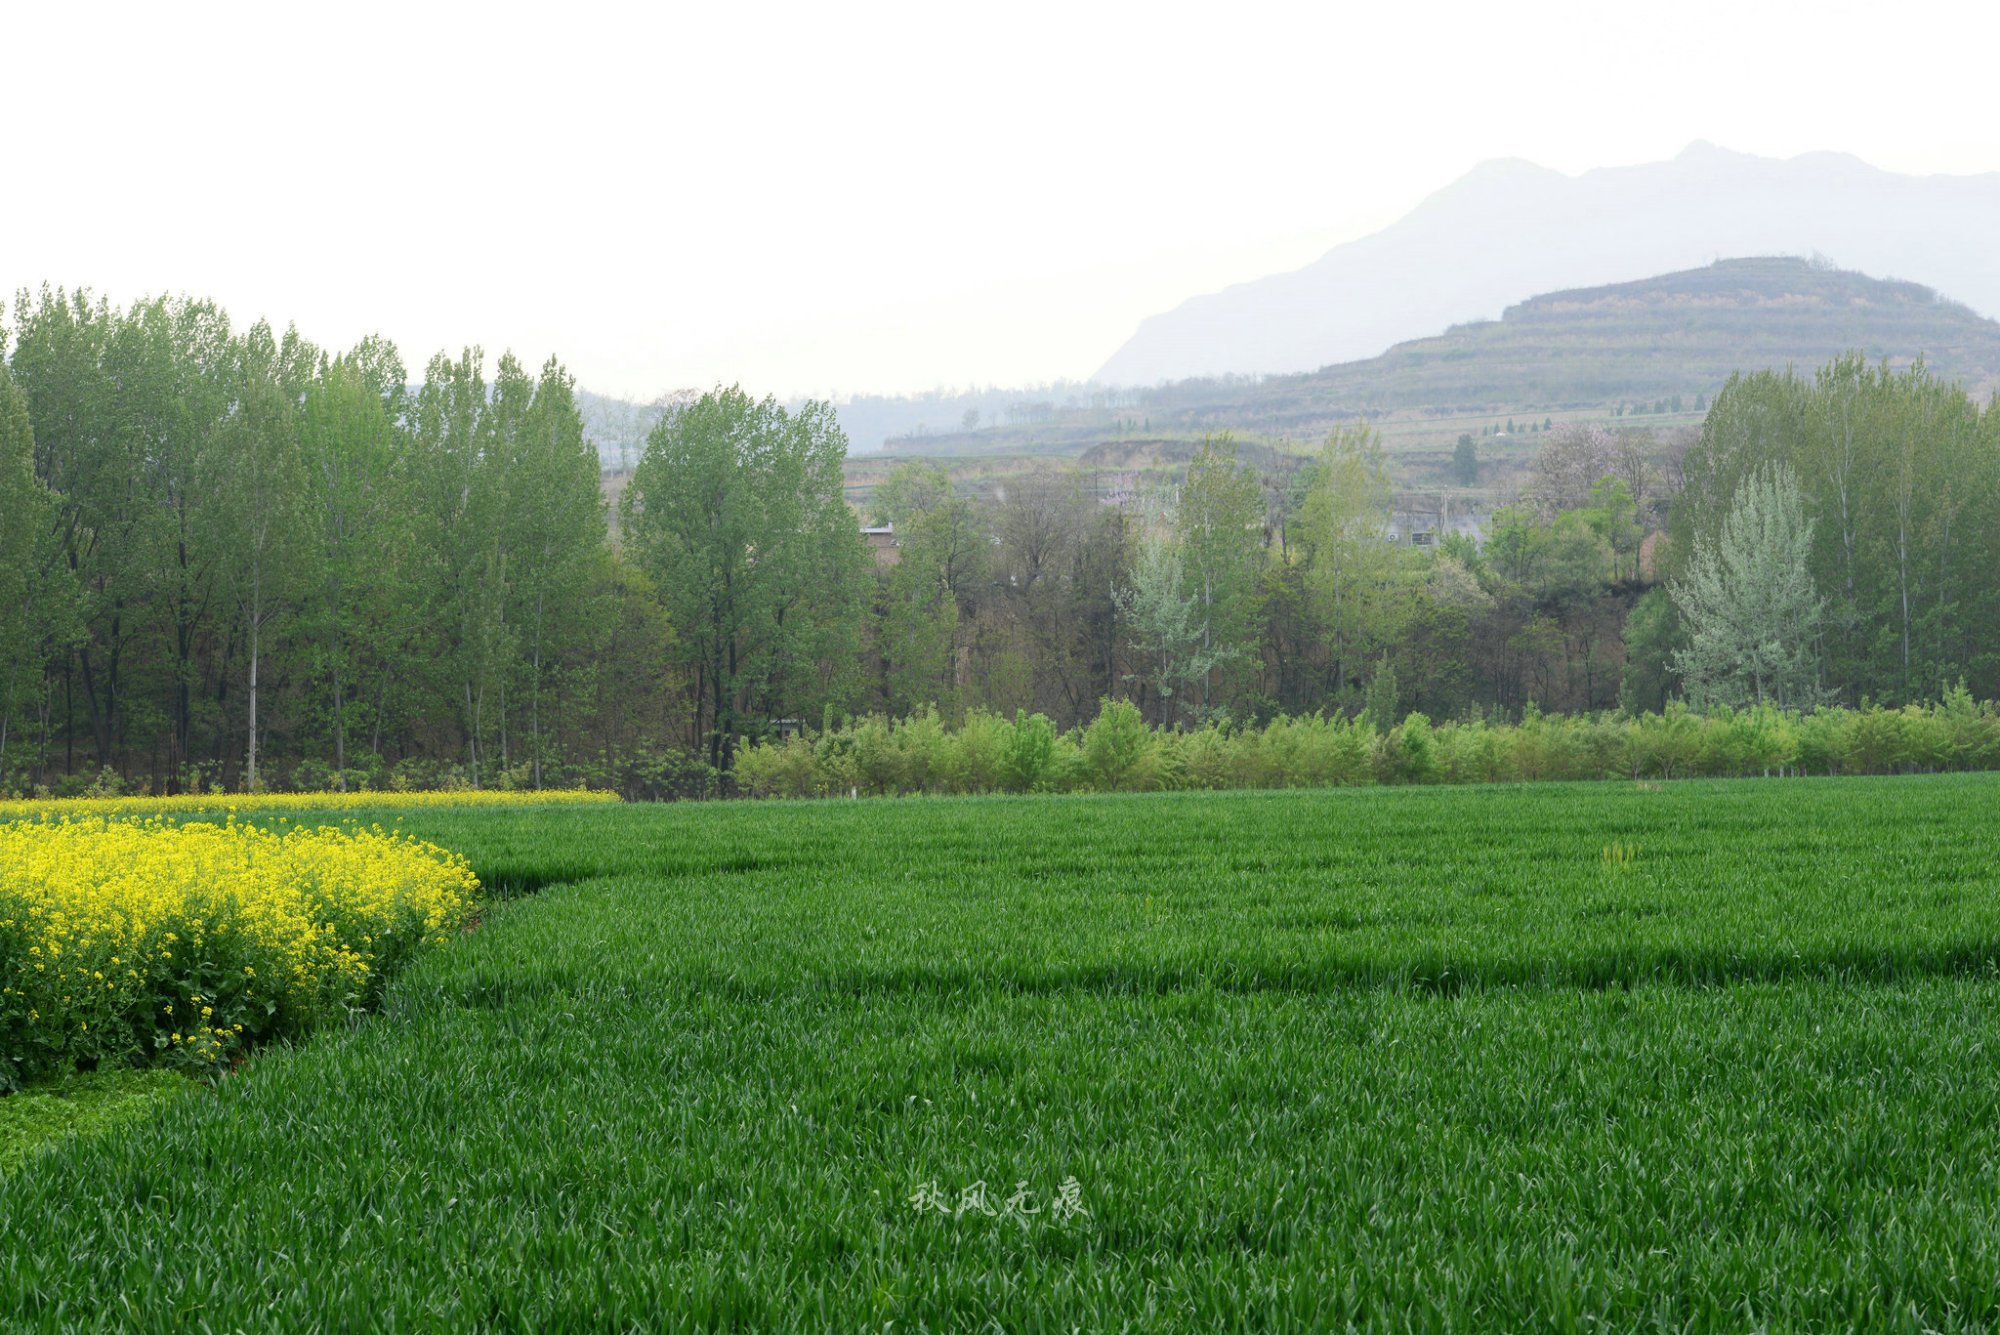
1748 603
1895 466
1166 620
1614 516
1355 577
1119 752
911 489
736 510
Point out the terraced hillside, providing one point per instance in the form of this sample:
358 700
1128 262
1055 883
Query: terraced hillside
1648 353
1677 334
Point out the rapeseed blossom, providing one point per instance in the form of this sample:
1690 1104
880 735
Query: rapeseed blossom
258 803
147 940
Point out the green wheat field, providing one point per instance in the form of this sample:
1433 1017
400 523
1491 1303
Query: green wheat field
1610 1056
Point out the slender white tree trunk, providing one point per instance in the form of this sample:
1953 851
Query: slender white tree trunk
472 737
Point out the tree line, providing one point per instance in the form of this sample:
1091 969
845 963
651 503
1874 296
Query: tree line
233 558
1247 594
1852 519
1821 540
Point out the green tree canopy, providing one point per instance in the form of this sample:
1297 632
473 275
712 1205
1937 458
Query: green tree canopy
736 510
24 518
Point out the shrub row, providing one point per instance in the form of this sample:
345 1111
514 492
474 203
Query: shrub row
1118 751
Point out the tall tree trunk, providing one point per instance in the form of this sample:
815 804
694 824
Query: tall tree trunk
1944 583
718 710
1903 585
472 735
1207 632
535 693
697 736
48 708
501 639
256 640
339 656
7 714
218 751
339 728
100 718
180 749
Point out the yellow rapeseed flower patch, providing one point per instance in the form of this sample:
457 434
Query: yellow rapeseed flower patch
250 804
146 940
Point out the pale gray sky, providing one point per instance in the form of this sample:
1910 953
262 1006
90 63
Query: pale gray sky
818 198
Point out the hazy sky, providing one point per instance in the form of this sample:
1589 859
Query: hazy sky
818 198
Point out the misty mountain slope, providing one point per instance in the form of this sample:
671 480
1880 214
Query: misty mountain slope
1509 229
1646 353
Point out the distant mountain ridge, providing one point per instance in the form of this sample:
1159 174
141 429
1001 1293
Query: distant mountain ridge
1508 230
1669 337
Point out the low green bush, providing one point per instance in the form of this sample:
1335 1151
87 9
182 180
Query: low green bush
1120 752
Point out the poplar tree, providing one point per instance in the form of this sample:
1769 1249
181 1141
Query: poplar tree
176 365
736 511
461 570
1748 603
1163 615
1354 573
357 522
1216 525
24 517
942 544
555 528
259 490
